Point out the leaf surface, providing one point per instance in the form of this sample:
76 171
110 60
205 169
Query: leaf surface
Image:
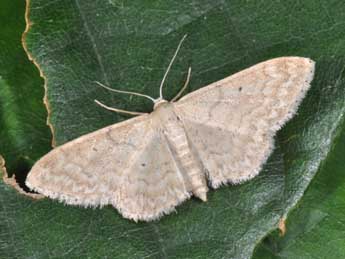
24 135
128 45
315 229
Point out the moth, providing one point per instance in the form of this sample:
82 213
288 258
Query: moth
147 165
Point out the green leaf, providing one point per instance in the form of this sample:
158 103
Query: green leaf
128 45
24 136
316 228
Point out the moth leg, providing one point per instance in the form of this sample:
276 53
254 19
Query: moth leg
118 110
184 86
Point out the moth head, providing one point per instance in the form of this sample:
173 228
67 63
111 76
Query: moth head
159 102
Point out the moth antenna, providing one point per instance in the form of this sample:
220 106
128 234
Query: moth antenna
184 87
125 92
118 110
168 69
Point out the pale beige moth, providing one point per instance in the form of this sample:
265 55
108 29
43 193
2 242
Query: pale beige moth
147 165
